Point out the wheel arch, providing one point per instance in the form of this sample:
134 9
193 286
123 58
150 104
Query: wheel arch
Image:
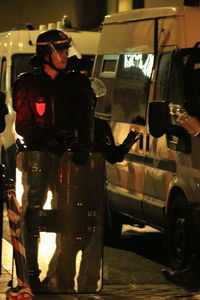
174 192
177 187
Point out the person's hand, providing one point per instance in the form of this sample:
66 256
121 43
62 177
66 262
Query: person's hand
191 125
131 138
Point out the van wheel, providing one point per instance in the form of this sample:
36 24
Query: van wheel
180 234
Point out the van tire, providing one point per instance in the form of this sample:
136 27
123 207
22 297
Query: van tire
181 242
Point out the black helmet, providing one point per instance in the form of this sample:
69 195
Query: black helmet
47 42
51 40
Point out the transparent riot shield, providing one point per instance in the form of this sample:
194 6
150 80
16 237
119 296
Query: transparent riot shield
62 208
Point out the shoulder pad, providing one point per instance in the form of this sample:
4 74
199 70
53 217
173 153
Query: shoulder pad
23 79
20 88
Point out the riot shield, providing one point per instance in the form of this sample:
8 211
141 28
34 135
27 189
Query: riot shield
62 208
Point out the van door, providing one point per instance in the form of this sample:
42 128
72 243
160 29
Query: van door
129 107
161 166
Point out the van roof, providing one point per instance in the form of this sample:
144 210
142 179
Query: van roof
147 13
22 41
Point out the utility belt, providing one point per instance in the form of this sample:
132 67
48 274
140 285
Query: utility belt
66 142
69 145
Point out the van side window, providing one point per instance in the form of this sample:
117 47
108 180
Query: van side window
131 88
163 74
106 68
109 66
3 75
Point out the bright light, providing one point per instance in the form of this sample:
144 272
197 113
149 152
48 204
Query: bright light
19 186
78 265
47 204
136 60
20 45
47 247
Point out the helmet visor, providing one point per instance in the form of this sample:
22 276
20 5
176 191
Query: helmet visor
61 45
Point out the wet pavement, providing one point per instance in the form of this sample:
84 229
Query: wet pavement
115 292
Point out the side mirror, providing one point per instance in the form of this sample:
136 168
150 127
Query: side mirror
98 87
159 118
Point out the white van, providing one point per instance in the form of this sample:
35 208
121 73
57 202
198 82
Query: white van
147 59
16 49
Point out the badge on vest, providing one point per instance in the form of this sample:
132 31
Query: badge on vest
40 106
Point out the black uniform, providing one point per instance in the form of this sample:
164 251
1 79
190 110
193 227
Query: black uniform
53 113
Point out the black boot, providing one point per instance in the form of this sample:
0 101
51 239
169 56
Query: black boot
34 281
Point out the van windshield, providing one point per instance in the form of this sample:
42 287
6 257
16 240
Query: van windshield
20 64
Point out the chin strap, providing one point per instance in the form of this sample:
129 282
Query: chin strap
52 65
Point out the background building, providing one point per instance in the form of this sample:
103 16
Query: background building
84 14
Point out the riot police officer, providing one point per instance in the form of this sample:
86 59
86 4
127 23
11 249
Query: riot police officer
54 109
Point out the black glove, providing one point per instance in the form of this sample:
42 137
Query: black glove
129 141
80 157
115 154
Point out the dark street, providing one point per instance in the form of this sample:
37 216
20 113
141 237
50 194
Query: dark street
132 270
